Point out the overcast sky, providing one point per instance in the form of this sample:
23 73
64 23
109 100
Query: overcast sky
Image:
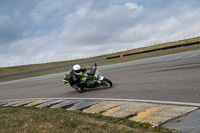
35 31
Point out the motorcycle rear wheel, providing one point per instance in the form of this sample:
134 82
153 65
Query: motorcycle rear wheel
106 83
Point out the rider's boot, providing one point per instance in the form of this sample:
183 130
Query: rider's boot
80 89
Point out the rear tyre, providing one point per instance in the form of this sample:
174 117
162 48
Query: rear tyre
106 83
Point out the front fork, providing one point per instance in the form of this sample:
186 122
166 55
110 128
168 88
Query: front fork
100 79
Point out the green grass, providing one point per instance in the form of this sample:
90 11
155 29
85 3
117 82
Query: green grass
8 70
44 120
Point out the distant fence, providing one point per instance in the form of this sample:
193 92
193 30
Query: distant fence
47 68
153 50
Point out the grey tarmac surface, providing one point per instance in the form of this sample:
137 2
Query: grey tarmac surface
188 123
166 78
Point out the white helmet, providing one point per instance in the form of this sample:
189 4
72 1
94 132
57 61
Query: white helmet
77 69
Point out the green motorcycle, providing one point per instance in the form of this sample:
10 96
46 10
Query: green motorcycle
92 79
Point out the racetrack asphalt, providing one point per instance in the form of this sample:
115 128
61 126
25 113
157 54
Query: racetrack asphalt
167 78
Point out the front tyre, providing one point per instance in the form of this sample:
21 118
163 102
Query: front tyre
106 83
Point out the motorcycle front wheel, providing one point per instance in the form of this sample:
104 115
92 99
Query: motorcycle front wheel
106 83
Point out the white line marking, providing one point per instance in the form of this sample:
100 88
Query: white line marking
178 57
193 55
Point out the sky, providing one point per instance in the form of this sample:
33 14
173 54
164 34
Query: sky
40 31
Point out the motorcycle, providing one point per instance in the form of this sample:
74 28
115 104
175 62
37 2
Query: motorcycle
91 79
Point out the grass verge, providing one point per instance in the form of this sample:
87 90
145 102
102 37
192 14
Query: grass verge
31 120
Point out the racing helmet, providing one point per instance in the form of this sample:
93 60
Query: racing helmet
77 69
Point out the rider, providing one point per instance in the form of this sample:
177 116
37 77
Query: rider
75 77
